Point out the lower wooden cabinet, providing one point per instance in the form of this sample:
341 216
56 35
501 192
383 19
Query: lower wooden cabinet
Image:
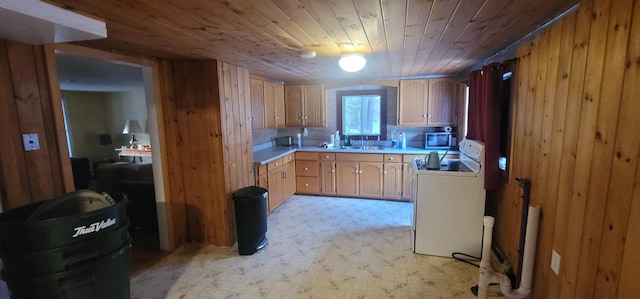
279 178
392 178
307 173
327 177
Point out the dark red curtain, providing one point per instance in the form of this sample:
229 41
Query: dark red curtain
485 103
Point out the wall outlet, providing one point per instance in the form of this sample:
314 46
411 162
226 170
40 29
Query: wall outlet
31 142
555 262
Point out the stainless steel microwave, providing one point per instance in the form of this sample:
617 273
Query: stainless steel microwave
443 140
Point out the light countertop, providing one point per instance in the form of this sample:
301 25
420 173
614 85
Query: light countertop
269 154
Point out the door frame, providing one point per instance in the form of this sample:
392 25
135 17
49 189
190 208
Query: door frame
151 76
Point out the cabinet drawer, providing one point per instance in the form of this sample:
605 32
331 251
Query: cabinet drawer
307 185
359 157
313 156
392 158
307 168
409 158
274 164
288 158
327 156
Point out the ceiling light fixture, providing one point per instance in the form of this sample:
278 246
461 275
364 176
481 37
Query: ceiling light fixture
352 61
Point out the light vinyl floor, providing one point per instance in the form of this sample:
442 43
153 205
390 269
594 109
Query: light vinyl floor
319 247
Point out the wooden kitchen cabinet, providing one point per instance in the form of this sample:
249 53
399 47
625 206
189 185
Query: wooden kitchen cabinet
275 188
370 179
267 104
427 102
305 106
257 104
327 177
274 105
392 176
279 178
347 183
289 180
359 175
307 173
441 102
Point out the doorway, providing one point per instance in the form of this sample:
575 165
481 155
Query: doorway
101 92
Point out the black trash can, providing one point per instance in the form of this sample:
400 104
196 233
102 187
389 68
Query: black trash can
74 246
251 219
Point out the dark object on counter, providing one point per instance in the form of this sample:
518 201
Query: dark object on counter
53 249
251 219
347 140
286 140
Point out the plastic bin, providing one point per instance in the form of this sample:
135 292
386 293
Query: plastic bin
74 246
251 219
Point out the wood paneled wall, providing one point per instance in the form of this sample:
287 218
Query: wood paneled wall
26 106
576 138
207 115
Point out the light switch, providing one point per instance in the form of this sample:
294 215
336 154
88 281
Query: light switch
555 262
31 142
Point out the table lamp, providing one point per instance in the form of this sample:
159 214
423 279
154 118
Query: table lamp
132 127
104 140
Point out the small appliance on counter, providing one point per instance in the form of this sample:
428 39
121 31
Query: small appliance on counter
286 140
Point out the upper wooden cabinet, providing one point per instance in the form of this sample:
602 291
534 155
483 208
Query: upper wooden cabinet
274 105
267 104
427 102
257 104
305 105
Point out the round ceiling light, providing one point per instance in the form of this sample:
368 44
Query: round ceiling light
352 61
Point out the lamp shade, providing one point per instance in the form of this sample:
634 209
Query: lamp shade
352 61
132 126
104 139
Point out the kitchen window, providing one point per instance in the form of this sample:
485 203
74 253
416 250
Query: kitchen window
362 113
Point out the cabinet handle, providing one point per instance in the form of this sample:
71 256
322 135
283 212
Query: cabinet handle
424 116
333 170
428 115
306 185
390 158
327 156
305 169
385 172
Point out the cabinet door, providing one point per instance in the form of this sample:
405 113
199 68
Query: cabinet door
392 175
276 191
328 177
257 105
347 174
407 179
278 103
263 181
293 98
370 176
289 180
314 106
412 102
441 109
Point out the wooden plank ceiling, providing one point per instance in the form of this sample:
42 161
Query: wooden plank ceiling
400 38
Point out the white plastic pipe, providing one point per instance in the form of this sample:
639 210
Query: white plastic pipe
488 275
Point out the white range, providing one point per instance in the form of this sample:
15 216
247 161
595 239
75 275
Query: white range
448 205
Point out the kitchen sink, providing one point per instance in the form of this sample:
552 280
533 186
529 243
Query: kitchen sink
371 147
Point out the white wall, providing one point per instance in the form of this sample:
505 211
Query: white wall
93 113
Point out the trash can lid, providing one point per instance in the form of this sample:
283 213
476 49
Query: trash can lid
72 203
250 191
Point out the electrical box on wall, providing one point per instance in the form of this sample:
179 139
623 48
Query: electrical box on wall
31 142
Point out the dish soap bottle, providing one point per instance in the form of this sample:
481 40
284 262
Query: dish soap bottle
347 141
